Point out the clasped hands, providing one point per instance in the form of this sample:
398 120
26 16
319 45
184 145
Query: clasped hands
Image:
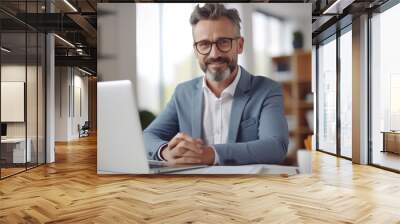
183 149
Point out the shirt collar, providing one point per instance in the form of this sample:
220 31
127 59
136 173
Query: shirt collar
230 90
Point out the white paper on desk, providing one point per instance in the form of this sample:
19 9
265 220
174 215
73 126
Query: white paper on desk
245 169
277 169
260 169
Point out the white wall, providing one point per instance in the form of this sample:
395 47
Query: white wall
12 73
61 103
67 115
33 126
79 117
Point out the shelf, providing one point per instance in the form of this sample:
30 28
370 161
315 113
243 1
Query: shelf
306 105
299 82
301 131
303 105
286 83
282 58
294 89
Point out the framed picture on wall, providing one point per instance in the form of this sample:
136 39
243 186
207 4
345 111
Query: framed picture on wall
12 101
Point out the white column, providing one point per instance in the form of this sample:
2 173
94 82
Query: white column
50 99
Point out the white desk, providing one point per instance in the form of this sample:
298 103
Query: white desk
18 150
259 169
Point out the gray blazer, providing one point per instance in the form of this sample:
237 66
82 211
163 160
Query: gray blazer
258 131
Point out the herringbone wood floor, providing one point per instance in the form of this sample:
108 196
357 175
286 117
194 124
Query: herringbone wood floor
70 191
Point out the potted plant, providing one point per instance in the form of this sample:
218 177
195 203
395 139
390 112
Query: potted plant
298 40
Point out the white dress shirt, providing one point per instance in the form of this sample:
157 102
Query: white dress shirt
217 113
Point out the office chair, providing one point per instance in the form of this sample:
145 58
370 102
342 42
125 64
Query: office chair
84 130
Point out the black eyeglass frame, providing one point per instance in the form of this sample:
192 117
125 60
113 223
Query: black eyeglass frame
195 45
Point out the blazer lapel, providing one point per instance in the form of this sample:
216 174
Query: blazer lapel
197 111
240 99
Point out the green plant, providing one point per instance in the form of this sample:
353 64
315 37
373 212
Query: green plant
297 39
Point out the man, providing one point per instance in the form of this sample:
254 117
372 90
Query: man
227 117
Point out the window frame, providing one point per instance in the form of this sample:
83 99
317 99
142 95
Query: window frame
345 25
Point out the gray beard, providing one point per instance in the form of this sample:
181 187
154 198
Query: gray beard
218 76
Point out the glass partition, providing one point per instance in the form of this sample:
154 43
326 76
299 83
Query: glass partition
22 88
31 99
14 153
41 107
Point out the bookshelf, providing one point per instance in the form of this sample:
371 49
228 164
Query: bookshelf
294 74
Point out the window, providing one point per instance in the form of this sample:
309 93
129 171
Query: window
327 97
385 87
327 94
346 94
165 58
148 60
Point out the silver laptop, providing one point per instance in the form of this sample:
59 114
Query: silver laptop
120 145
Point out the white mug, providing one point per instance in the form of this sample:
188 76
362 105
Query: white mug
304 160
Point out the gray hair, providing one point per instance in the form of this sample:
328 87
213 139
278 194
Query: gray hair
214 11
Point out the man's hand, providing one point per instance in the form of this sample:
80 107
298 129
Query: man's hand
183 149
207 157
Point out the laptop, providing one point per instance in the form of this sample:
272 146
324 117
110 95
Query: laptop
120 144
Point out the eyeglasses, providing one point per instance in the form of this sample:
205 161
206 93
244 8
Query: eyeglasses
223 44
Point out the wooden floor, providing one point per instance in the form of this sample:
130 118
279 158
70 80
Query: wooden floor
70 191
5 172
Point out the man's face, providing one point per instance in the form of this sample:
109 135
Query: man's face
217 65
